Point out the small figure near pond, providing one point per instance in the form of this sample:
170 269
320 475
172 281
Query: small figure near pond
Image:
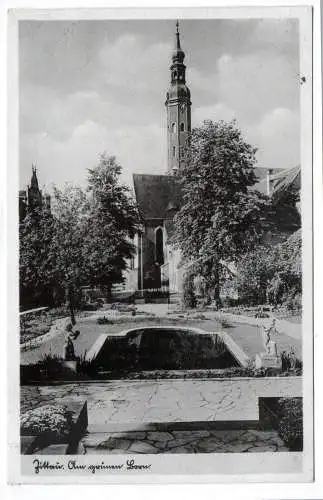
68 351
268 332
269 358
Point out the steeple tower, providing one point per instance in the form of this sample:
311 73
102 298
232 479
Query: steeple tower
35 200
178 104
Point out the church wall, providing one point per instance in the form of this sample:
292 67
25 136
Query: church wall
176 273
151 271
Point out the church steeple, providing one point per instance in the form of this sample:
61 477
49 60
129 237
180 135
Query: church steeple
35 200
178 54
178 103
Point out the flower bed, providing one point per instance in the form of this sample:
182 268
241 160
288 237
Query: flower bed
54 421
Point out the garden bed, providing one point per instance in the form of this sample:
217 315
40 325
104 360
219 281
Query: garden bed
37 324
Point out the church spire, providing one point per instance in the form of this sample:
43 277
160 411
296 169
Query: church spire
34 180
178 43
178 103
178 54
35 200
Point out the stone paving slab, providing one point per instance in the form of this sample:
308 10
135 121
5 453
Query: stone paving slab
184 442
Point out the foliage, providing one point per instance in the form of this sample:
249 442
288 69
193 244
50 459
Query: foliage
290 414
273 274
290 363
86 241
221 217
55 420
104 321
112 223
255 270
189 299
36 233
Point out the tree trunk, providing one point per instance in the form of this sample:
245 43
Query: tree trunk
216 284
70 303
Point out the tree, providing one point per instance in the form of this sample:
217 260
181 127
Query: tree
66 253
35 274
93 231
112 224
221 217
86 240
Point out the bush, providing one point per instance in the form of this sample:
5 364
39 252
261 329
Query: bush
104 321
290 413
294 303
55 421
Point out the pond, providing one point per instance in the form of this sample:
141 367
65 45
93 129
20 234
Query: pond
161 348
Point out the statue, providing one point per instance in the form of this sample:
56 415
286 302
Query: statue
268 332
68 351
271 348
269 358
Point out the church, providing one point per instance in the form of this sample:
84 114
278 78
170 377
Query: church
156 266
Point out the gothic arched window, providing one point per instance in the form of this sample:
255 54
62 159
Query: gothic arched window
174 151
182 127
173 128
159 246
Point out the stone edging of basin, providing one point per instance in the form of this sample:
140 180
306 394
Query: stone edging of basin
291 380
235 350
119 318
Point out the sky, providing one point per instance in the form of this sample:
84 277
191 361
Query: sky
89 87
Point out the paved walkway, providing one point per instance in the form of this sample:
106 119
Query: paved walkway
123 415
122 403
192 441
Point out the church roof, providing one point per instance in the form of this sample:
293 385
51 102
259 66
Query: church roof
155 194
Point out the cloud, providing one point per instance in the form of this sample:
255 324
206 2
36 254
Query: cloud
254 84
219 111
68 161
277 138
130 64
86 87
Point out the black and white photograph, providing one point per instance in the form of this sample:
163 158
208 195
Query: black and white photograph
164 201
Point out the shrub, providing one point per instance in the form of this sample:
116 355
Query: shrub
53 420
290 413
225 324
104 321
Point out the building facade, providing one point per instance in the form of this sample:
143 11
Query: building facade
156 265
